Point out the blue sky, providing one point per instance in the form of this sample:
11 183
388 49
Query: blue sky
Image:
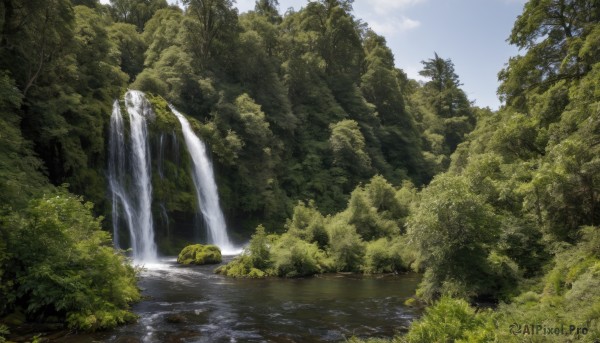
472 33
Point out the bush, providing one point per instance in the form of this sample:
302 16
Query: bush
308 224
383 256
293 257
453 231
259 249
255 261
448 320
200 254
63 264
375 210
346 248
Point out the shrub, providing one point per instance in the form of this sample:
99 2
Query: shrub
346 248
255 261
308 224
200 254
383 256
448 320
66 265
241 266
294 257
453 231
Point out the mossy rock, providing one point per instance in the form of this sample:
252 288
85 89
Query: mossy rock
200 254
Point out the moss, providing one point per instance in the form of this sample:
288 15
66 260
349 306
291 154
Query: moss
200 254
165 120
242 267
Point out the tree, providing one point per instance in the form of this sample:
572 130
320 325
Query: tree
348 147
131 48
268 9
20 169
62 264
558 36
345 245
380 86
257 69
136 12
453 231
375 211
214 25
441 72
308 224
36 34
449 101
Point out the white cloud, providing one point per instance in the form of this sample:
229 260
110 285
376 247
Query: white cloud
390 26
408 24
385 6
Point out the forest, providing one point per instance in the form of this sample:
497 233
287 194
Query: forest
328 159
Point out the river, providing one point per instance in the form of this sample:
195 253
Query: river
192 304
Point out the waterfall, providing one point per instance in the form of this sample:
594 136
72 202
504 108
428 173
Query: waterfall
116 175
130 176
161 154
206 188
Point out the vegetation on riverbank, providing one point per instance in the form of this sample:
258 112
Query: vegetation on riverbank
346 164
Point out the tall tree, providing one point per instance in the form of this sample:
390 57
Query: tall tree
449 101
37 34
214 26
561 42
136 12
269 9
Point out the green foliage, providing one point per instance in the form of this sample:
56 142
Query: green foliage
164 119
258 248
554 52
522 242
348 147
384 256
293 257
448 320
308 224
307 106
255 261
131 47
453 231
61 262
346 247
211 26
200 254
375 211
135 12
19 167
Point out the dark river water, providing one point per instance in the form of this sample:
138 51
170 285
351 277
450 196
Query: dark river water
192 304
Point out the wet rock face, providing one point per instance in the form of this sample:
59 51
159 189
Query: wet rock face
200 254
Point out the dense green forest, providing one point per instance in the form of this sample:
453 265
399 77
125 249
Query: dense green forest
325 153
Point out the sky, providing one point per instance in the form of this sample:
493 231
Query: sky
472 33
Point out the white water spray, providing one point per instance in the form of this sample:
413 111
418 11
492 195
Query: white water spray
131 184
206 188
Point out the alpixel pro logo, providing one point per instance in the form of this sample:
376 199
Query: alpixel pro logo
544 330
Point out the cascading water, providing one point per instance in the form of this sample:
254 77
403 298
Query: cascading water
133 197
206 188
116 175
